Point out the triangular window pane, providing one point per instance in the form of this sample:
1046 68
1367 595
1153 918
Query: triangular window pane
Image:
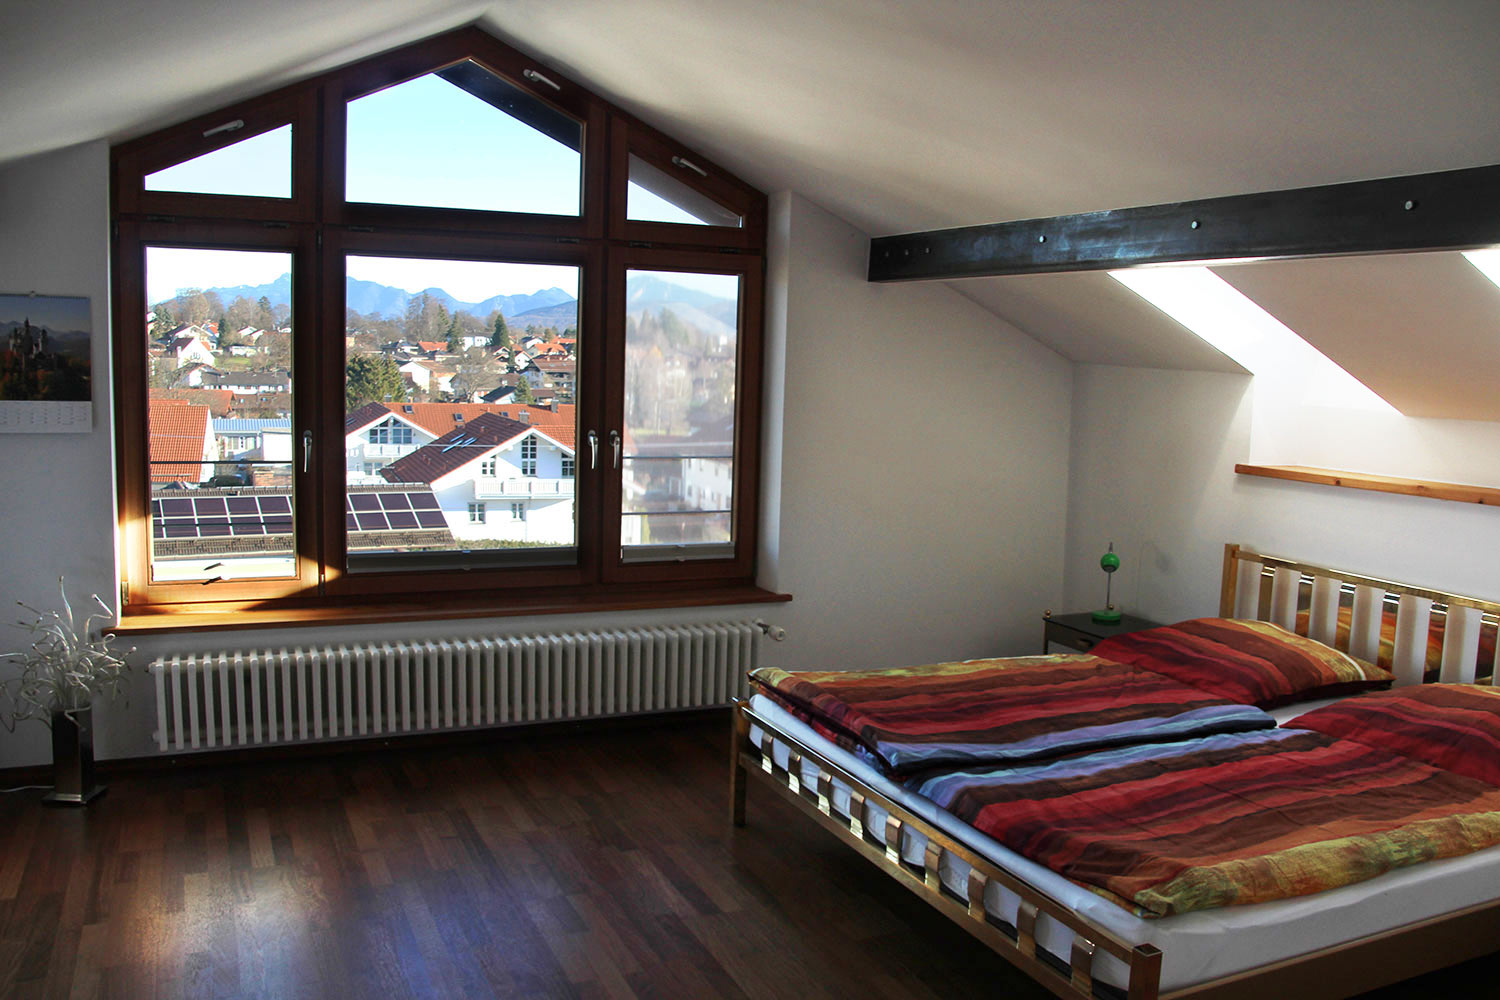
656 196
258 167
463 138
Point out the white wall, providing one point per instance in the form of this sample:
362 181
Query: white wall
921 504
57 491
915 512
1152 468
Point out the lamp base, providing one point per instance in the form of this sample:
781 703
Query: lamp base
56 798
1108 616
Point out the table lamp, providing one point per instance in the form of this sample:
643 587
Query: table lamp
1109 562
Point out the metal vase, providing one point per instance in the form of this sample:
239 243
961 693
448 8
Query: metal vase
73 758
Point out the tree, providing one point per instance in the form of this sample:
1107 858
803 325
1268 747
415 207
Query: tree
265 319
500 335
372 378
165 322
455 335
523 391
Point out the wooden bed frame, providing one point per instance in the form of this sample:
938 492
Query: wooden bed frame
1254 586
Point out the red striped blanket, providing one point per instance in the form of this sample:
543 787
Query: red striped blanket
912 719
1228 819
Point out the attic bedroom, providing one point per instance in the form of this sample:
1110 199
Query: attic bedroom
877 470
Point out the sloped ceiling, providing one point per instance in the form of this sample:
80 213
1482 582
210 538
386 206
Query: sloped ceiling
896 115
1422 330
1092 317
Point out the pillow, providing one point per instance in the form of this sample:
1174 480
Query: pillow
1251 662
1455 727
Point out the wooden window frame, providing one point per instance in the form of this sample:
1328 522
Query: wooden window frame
320 228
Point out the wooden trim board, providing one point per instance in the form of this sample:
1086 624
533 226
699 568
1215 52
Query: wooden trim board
1487 496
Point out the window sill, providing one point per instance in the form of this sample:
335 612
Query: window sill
259 615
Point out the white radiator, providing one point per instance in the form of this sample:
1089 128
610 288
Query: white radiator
268 696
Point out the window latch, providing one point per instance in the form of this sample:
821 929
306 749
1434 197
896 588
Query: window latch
306 449
593 450
614 439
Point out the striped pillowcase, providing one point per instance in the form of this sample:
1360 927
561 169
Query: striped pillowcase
1251 662
1455 727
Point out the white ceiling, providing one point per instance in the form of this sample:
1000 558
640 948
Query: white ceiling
897 115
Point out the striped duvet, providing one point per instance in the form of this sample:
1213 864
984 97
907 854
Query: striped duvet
1156 795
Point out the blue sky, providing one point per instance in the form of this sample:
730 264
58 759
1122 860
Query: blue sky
55 312
404 143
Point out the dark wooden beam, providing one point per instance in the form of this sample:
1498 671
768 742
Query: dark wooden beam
1450 210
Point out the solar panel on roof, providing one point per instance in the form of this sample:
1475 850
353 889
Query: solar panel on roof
395 501
423 501
242 505
276 505
371 522
401 519
431 519
209 506
364 501
174 506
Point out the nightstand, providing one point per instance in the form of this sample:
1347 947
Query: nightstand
1080 631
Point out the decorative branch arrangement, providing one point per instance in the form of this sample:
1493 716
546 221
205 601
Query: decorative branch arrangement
66 666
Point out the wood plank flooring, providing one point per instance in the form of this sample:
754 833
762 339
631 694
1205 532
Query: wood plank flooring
562 864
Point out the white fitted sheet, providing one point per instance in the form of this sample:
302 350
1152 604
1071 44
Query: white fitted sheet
1196 947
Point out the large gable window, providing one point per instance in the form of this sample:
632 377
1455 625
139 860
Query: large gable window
441 279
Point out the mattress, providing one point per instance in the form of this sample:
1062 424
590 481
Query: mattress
1196 947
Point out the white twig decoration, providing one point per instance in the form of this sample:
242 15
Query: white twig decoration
66 666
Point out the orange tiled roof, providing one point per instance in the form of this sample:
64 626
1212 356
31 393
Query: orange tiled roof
220 402
178 437
455 449
438 419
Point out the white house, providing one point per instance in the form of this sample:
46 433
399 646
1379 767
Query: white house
497 479
268 439
190 347
375 436
427 376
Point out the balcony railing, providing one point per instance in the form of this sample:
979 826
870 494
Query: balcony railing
368 450
523 486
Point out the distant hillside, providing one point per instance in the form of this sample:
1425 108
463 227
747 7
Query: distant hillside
546 307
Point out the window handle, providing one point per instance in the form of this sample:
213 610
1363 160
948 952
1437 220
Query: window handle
593 450
614 439
306 449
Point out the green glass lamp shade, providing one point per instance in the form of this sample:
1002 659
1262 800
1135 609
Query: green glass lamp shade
1109 562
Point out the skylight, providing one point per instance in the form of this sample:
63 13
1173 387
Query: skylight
1488 262
1221 314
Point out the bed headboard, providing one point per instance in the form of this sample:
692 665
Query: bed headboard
1420 634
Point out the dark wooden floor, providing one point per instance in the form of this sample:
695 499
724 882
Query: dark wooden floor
562 865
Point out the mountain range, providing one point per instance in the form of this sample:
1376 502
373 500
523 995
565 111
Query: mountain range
545 307
71 342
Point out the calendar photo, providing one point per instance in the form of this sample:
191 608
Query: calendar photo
45 348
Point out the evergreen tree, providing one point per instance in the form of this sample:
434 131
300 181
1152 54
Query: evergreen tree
500 335
523 391
372 378
455 334
265 319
